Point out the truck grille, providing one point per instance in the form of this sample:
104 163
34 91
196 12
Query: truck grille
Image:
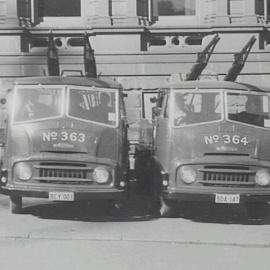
241 176
64 173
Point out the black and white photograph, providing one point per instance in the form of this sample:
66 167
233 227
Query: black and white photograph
134 134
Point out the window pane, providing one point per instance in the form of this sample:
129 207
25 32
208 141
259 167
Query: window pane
192 108
259 7
93 106
142 8
176 7
59 8
249 109
35 104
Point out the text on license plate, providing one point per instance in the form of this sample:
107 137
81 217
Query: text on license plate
61 196
227 198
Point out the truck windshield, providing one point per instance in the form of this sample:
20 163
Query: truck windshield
94 106
249 108
193 107
36 103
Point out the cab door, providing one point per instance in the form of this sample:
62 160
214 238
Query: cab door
162 133
123 127
3 127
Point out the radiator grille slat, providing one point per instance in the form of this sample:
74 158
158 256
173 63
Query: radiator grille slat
227 176
64 173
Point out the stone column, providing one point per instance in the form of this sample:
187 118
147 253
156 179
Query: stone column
201 11
3 11
99 12
249 11
124 12
8 13
132 17
222 12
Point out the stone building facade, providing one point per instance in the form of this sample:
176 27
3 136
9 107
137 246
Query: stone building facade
141 43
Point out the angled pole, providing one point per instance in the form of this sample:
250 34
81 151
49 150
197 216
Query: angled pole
239 61
202 59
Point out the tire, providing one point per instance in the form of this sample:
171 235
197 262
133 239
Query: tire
168 208
15 204
257 210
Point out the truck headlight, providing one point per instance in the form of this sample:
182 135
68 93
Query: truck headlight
101 175
187 174
23 171
262 177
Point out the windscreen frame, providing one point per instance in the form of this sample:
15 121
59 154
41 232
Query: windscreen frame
96 89
13 102
195 91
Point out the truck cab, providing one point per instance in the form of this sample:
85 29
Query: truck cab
212 141
66 140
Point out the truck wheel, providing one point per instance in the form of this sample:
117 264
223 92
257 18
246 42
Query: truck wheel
257 210
15 204
168 208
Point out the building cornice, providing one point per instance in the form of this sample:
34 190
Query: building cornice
208 29
135 30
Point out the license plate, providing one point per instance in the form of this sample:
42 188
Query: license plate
61 196
227 198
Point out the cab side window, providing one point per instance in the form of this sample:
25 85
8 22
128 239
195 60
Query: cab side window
249 108
193 108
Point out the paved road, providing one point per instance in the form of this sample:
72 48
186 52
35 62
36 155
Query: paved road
76 236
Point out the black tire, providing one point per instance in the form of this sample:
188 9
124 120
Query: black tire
15 203
168 208
257 210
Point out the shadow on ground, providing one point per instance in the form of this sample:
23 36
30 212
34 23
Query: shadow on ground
223 214
138 207
134 210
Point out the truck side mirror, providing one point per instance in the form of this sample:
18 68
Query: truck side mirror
2 137
153 99
3 101
156 111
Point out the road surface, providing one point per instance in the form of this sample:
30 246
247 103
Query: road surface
87 236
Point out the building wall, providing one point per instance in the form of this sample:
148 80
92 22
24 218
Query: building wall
132 43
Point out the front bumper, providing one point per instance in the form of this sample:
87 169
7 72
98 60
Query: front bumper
195 194
59 173
79 195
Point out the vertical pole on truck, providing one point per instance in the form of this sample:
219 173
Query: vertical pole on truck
52 57
89 59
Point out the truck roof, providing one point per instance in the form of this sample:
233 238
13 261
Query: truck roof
218 85
58 80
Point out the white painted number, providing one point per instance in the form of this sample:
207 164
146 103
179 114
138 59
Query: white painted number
81 137
226 138
63 136
236 139
73 136
244 141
